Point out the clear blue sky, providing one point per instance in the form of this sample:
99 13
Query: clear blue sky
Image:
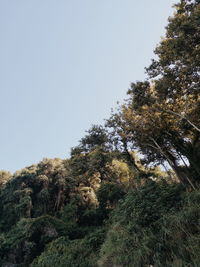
64 64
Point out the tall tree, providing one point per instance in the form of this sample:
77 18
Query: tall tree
161 117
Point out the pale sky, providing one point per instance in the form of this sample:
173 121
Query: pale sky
64 64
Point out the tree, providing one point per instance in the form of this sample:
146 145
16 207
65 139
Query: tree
161 117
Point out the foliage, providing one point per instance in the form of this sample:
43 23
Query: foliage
129 193
28 237
161 116
109 195
76 253
135 224
4 178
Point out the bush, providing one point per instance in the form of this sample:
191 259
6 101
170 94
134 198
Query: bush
77 253
134 236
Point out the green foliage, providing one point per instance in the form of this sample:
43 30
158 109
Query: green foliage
15 200
100 207
180 233
97 137
76 253
109 195
132 239
161 116
92 155
28 238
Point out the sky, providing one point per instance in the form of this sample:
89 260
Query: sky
64 64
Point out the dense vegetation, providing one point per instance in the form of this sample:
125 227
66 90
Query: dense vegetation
129 195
